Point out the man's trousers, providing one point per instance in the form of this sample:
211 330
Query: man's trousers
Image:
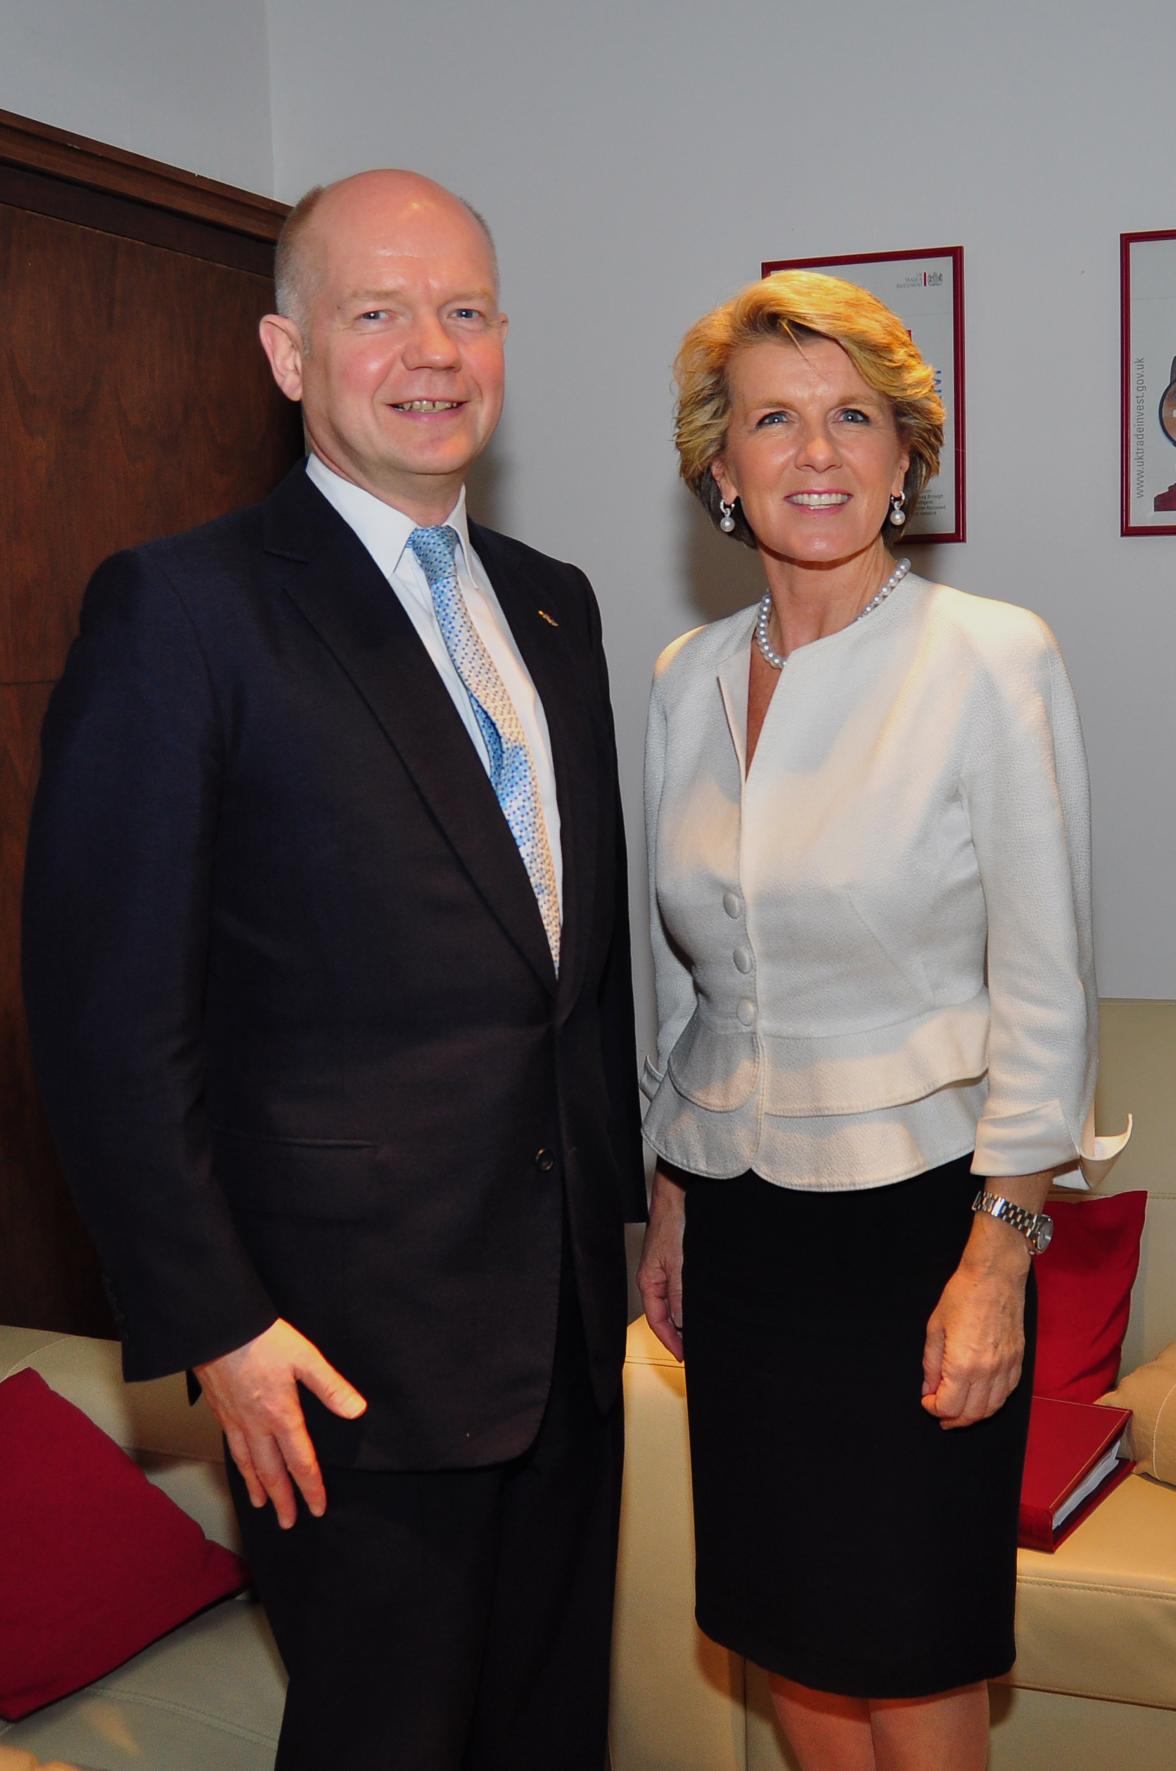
454 1620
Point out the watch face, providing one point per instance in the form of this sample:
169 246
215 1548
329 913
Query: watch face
1043 1234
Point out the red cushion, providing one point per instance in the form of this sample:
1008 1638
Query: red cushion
95 1562
1084 1282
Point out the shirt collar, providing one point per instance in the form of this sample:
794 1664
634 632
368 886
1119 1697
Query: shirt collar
382 528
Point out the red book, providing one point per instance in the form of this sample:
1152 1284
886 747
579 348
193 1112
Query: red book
1071 1463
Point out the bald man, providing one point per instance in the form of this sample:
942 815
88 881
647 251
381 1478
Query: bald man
328 980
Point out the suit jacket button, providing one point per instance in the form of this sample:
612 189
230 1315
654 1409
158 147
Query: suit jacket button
544 1161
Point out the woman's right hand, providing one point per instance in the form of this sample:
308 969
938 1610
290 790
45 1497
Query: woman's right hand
659 1272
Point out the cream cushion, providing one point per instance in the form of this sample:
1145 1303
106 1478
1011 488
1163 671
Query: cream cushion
1150 1393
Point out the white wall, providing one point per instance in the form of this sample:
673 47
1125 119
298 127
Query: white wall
638 158
187 84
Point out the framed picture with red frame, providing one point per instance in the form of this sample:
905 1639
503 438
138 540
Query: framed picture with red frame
926 290
1147 272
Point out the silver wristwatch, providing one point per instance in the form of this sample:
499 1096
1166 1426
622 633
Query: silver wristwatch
1035 1226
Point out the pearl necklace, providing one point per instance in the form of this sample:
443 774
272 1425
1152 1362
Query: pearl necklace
778 660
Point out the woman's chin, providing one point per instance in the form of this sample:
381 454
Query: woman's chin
822 553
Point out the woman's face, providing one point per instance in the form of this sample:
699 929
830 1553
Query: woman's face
811 451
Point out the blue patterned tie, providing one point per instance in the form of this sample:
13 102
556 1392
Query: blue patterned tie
512 772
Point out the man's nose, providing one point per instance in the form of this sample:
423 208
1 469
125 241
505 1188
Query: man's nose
429 345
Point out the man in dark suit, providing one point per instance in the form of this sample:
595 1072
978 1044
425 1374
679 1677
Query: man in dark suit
328 981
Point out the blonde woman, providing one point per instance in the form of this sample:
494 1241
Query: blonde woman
868 839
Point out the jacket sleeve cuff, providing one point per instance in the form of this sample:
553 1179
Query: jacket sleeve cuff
1026 1143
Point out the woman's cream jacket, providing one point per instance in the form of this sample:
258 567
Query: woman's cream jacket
894 900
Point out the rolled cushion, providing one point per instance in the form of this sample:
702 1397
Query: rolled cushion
96 1561
1084 1282
1150 1392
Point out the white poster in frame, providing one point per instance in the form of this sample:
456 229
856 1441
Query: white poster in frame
926 290
1148 281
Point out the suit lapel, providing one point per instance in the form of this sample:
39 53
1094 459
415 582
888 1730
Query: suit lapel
340 591
531 602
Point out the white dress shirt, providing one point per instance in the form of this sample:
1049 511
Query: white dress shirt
873 947
384 531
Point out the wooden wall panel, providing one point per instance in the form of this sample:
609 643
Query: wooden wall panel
134 401
48 1275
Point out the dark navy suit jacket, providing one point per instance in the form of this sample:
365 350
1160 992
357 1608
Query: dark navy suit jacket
292 1008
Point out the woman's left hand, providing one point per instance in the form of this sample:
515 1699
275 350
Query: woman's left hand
976 1336
975 1342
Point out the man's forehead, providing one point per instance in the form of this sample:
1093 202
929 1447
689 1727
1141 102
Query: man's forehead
375 261
391 285
422 224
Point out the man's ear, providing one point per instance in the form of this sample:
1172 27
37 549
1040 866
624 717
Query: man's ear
282 343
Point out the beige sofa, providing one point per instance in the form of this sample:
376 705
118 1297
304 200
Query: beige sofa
1094 1687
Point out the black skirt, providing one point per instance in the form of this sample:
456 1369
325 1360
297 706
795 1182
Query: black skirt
844 1539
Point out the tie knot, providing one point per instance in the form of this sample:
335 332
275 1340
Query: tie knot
435 548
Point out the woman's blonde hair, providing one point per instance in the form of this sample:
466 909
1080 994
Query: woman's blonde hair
795 305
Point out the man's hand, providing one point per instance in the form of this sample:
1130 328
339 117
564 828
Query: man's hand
659 1274
253 1392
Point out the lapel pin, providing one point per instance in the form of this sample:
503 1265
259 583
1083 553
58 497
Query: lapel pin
550 619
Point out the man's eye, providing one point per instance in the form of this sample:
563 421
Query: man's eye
374 313
467 313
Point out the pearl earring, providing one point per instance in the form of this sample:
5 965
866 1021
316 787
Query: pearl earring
726 521
897 509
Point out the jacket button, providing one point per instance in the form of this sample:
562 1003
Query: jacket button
732 903
743 959
544 1161
746 1012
